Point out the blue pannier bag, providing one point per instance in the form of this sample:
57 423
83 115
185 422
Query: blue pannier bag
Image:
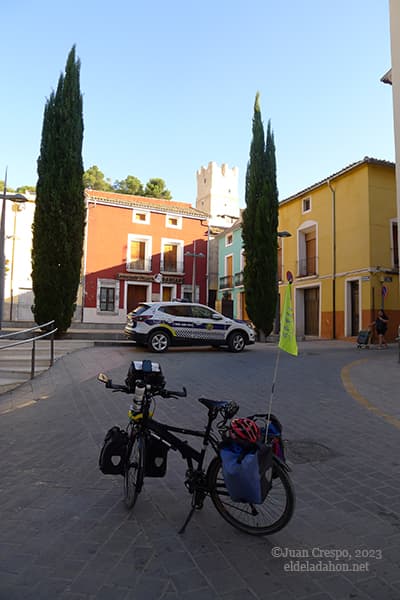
247 471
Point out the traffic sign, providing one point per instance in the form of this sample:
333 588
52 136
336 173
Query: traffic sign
384 291
289 276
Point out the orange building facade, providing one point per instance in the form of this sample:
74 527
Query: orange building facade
141 249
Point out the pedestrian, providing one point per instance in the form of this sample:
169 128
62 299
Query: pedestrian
381 328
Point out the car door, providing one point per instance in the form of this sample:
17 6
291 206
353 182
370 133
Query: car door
179 319
208 325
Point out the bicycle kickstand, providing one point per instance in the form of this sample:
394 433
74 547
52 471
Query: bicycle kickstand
190 515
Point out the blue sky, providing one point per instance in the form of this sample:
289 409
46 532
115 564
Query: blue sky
170 86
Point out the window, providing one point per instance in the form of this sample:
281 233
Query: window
201 312
107 299
306 205
172 256
107 296
307 250
228 239
138 253
141 216
177 310
173 221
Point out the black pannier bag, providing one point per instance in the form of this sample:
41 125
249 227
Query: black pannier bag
113 453
147 371
155 458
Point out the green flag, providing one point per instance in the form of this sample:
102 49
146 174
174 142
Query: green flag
287 338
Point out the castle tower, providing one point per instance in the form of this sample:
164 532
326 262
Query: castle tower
217 193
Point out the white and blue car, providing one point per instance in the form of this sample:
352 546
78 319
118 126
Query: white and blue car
159 325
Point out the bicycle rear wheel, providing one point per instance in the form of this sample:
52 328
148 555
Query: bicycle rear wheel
134 471
256 519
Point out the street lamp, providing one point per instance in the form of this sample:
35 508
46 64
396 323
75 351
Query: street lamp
195 257
13 198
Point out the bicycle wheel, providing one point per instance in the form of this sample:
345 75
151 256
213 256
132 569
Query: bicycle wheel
134 471
256 519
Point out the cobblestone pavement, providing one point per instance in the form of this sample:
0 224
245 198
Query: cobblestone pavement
65 534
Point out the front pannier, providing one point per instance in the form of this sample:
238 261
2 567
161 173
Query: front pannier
113 452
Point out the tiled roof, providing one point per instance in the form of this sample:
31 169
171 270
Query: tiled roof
366 160
154 204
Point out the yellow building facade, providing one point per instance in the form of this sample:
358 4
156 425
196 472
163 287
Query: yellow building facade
342 251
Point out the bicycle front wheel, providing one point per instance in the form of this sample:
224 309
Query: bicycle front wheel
134 471
256 519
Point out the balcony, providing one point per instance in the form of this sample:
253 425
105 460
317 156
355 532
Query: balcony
239 278
226 282
169 266
139 264
307 267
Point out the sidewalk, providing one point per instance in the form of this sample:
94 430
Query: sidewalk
65 534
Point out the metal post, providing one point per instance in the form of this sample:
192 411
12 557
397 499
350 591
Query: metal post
2 253
52 349
194 273
33 360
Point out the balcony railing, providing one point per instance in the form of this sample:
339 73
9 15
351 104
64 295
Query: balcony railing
168 266
307 267
226 282
239 278
139 264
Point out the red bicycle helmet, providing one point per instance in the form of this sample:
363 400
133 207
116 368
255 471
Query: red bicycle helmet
245 430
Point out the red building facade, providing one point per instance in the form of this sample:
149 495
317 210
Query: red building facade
141 249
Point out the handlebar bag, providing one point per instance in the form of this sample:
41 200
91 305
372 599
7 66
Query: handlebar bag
113 452
247 471
145 370
155 457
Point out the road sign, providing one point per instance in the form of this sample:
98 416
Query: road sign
289 276
384 291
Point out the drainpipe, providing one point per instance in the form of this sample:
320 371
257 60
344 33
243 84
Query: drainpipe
333 192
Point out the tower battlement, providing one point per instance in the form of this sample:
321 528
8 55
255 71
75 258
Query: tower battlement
217 192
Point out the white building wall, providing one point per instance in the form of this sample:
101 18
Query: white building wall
18 296
217 193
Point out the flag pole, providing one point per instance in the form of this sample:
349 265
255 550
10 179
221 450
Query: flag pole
287 342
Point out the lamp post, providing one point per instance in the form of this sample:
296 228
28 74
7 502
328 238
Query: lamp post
280 234
14 198
195 256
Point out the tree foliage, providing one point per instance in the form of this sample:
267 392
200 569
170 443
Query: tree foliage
155 188
93 178
259 229
59 220
130 185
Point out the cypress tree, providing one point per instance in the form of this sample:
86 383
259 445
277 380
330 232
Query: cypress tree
259 228
59 220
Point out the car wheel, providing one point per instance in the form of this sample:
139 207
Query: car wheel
236 341
158 341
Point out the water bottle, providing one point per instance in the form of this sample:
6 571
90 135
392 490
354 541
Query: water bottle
138 398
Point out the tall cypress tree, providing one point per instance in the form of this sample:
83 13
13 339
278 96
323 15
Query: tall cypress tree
59 220
259 228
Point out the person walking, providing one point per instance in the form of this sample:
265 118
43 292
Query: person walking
381 328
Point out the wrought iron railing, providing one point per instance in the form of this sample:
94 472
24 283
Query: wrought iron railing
307 266
139 264
226 282
33 339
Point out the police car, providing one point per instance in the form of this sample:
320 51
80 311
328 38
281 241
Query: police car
162 324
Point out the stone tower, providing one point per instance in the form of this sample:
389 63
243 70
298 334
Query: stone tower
217 193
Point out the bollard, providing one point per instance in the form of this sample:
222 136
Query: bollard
398 339
33 360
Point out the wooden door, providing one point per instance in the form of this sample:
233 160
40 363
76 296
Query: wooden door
311 311
355 308
135 295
